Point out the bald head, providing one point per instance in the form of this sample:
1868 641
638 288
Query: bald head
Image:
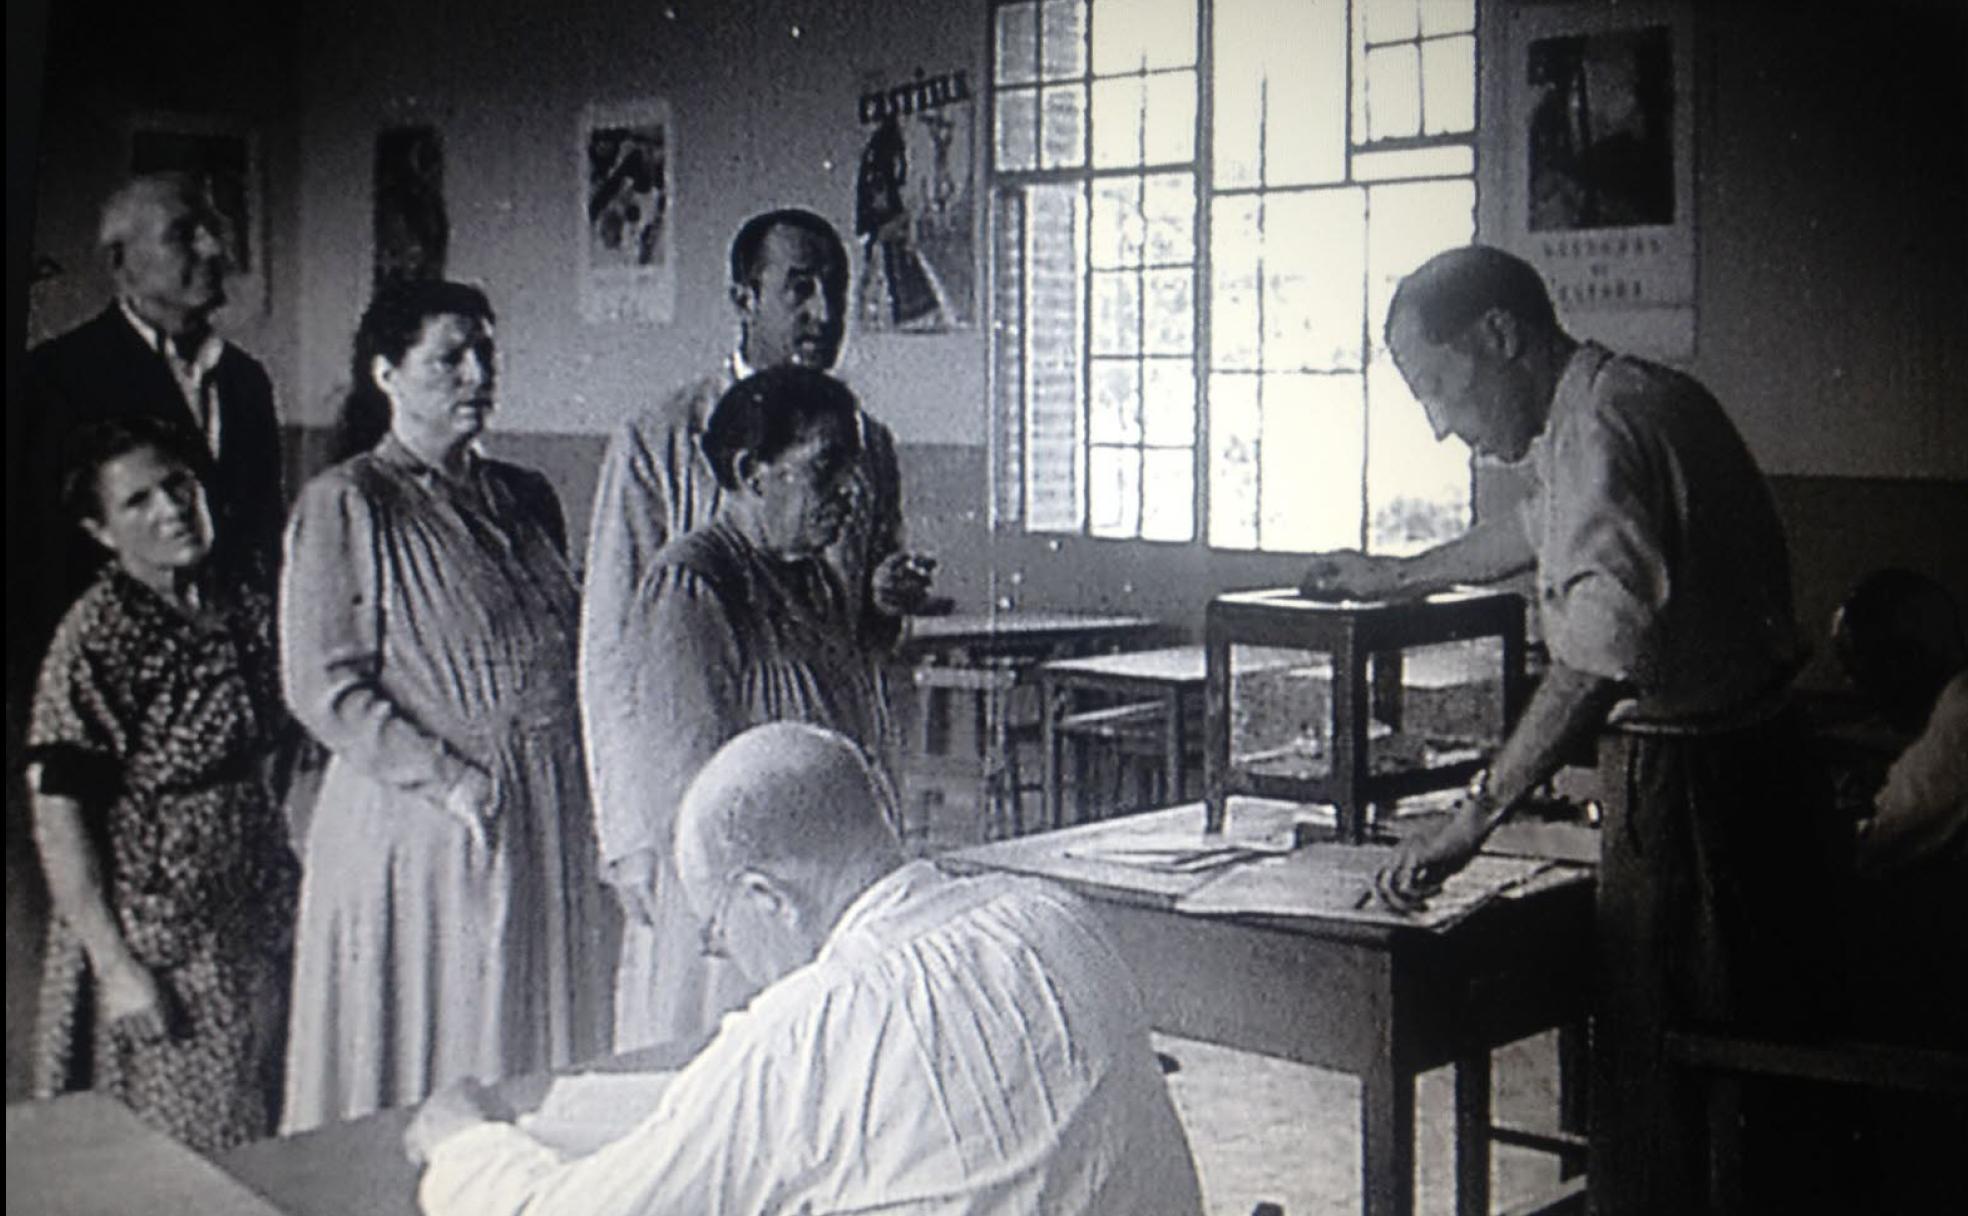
778 834
785 796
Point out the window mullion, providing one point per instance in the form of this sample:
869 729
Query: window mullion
1199 293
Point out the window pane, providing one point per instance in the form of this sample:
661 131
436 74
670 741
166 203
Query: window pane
1448 76
1017 44
1393 92
1314 263
1144 120
1007 335
1170 325
1407 224
1417 487
1168 507
1117 106
1116 401
1233 427
1132 35
1280 100
1169 135
1064 52
1114 491
1169 402
1445 161
1116 312
1390 20
1117 226
1448 16
1236 245
1053 249
1063 140
1169 209
1309 462
1017 121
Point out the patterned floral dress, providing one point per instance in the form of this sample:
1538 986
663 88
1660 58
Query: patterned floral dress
158 725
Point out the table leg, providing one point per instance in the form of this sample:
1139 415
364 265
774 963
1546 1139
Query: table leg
1574 1092
1174 738
1386 1141
1050 699
1472 1134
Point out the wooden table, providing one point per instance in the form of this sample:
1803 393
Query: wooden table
1019 633
1384 1003
358 1168
86 1154
983 656
1172 676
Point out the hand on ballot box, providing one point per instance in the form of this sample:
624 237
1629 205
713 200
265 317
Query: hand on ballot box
1423 862
1347 574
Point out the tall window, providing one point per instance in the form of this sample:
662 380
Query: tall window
1200 209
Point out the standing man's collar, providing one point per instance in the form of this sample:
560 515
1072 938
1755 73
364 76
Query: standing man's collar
739 368
202 360
1575 383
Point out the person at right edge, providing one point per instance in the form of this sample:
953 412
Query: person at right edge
1663 588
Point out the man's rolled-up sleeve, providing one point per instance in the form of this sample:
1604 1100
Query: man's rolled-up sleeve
1602 572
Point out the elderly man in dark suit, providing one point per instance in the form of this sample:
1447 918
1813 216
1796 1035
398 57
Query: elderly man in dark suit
152 352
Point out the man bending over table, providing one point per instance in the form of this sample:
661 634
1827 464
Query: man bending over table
924 1044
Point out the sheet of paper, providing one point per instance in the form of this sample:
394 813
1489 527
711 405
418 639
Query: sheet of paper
1328 881
1185 852
585 1111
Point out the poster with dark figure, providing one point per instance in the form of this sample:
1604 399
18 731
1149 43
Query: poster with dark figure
413 232
881 221
1598 137
914 212
221 154
1601 136
627 260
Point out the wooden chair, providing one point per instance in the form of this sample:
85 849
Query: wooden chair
1727 1058
981 697
1130 738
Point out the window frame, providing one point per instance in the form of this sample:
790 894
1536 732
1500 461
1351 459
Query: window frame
1011 487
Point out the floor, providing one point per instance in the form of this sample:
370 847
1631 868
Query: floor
1263 1131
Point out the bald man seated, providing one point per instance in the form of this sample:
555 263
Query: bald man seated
922 1044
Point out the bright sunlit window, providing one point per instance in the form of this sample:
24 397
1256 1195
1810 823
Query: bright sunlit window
1200 210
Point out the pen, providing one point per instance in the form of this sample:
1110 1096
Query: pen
1366 897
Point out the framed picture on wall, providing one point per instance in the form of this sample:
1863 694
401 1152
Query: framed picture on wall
627 239
222 154
1599 166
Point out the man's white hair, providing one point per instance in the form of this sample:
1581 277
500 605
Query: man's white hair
124 209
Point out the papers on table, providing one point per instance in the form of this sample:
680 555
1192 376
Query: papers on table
585 1111
1328 881
1184 852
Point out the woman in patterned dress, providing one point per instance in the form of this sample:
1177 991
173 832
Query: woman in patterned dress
158 709
451 923
742 622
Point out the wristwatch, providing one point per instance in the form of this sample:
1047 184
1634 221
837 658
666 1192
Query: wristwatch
1478 790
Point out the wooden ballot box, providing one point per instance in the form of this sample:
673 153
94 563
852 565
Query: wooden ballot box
1323 717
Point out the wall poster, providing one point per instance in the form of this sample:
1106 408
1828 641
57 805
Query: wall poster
628 251
222 155
1599 167
915 205
412 230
